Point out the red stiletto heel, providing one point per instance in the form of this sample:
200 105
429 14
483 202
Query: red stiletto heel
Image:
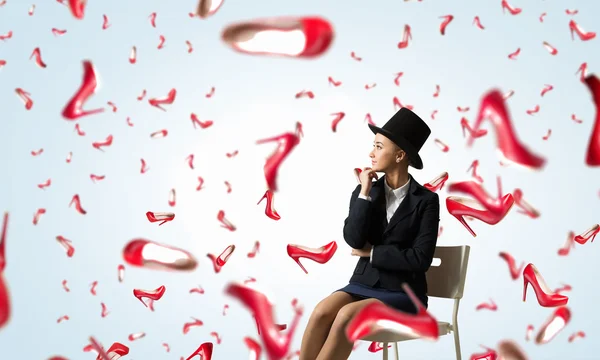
270 209
499 205
457 207
510 147
591 232
320 255
464 124
583 35
366 321
287 142
275 345
437 183
510 8
160 216
545 296
407 35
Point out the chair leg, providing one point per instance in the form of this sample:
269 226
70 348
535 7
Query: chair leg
385 351
396 350
456 343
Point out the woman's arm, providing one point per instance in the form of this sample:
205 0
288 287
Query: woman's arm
357 222
419 257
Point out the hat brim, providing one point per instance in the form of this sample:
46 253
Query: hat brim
414 159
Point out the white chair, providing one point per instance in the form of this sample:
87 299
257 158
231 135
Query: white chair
444 281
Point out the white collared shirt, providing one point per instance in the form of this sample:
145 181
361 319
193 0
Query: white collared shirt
393 199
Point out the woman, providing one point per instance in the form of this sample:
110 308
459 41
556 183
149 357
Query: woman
392 226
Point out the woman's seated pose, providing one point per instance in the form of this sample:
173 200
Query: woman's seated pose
392 226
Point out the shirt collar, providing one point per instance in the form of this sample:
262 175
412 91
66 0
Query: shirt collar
399 192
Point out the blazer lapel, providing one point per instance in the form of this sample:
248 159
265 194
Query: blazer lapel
406 207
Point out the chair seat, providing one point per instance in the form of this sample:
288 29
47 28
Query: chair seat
387 336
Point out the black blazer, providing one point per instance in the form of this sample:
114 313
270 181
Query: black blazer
404 248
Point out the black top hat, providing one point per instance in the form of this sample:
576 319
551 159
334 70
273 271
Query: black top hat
407 130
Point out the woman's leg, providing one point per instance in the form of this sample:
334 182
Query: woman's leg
320 322
337 345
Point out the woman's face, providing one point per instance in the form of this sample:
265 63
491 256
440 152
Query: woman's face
384 154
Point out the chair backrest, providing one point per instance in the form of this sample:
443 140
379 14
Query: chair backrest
447 280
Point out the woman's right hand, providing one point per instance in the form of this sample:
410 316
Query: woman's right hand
366 175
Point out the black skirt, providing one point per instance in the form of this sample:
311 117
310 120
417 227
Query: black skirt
398 300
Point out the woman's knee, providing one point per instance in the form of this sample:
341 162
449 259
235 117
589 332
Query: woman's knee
342 318
328 308
348 312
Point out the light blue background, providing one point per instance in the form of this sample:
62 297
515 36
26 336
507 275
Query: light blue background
254 99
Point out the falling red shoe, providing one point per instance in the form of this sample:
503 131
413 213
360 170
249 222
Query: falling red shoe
276 345
464 124
553 325
437 183
204 351
589 233
457 207
521 203
160 216
545 296
405 37
270 209
510 8
509 146
593 150
152 295
74 108
320 255
583 35
4 293
515 271
286 143
490 354
115 351
366 321
501 204
301 37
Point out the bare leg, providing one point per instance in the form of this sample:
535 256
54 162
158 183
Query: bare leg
320 322
337 346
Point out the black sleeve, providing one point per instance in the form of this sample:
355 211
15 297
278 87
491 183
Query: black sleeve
357 222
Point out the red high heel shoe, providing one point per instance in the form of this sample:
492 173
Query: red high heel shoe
510 147
457 207
501 204
592 157
437 183
464 124
527 208
553 325
407 35
320 255
366 321
589 233
583 35
287 142
116 349
270 209
276 345
510 8
473 169
204 351
3 243
5 306
545 296
160 216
